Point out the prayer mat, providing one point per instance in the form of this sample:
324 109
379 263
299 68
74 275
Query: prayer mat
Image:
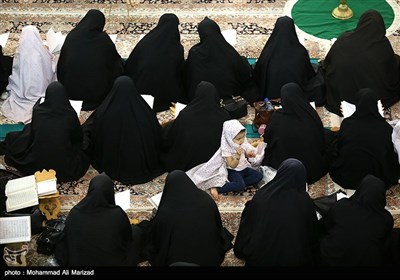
6 128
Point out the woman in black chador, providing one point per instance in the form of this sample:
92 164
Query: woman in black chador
124 136
362 58
89 61
196 132
279 226
296 131
156 63
187 227
357 228
53 140
97 232
364 146
214 60
283 60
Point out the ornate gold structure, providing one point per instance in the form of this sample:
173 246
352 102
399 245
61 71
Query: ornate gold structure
49 204
45 175
14 254
342 11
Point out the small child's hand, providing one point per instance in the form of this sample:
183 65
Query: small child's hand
239 150
250 154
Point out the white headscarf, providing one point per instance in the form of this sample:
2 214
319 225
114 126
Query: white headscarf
32 72
230 129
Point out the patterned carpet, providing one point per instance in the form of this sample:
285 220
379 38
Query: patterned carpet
253 21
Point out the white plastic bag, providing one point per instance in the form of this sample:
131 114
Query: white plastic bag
268 172
260 151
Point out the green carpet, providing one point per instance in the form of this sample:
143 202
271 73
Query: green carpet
315 17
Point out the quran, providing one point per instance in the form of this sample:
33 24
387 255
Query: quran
21 193
15 229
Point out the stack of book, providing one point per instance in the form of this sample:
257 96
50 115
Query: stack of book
23 193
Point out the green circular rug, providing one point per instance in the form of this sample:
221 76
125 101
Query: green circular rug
315 17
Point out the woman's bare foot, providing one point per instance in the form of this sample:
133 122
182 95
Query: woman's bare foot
214 193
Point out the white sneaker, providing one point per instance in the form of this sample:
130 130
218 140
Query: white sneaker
5 95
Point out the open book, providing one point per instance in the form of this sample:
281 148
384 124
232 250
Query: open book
155 199
4 39
113 37
15 229
77 105
149 99
347 109
123 199
230 36
54 41
21 193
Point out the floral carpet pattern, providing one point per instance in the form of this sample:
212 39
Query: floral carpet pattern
253 21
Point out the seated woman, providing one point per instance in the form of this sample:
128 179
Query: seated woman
123 136
296 131
156 63
362 58
97 232
279 226
283 60
364 146
32 72
357 228
53 140
5 71
214 60
196 132
187 227
89 61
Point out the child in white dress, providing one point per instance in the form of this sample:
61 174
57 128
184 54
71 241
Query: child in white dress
230 167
